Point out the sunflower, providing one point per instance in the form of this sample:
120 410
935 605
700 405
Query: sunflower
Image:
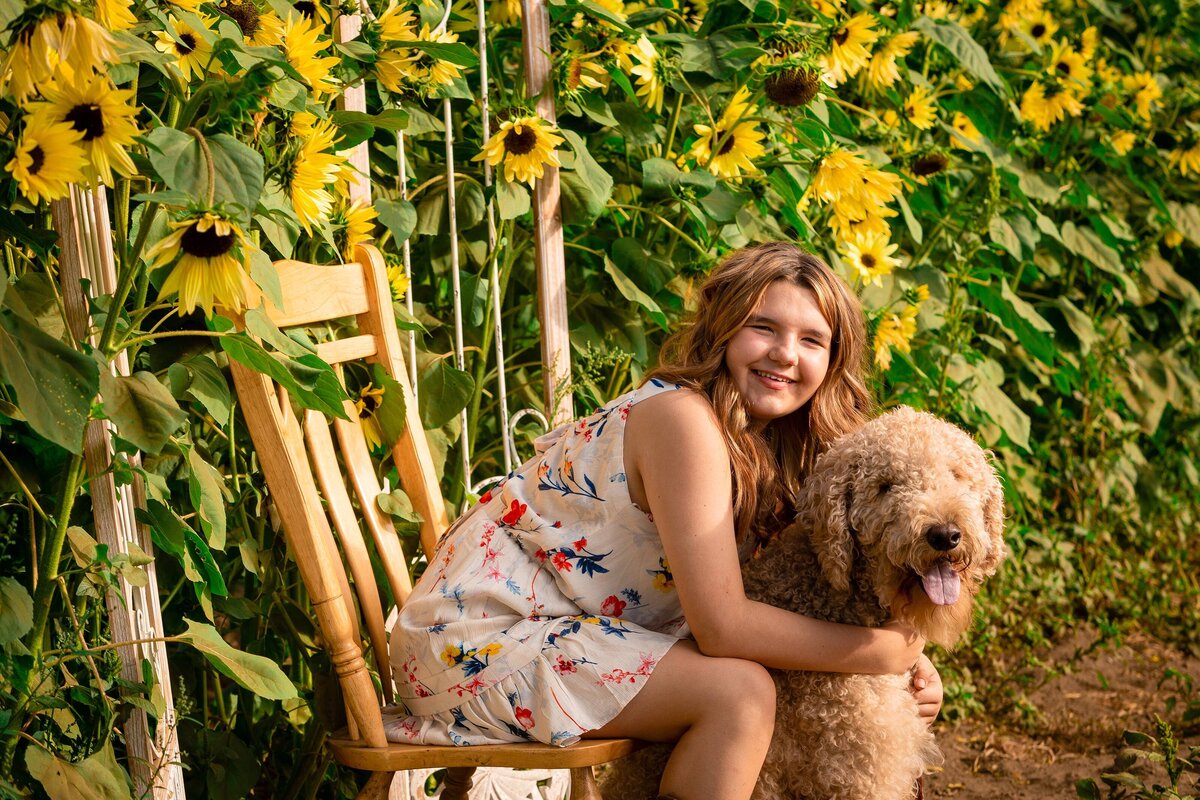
1042 105
102 113
649 73
1123 141
1039 26
369 401
71 44
963 126
882 71
114 15
396 24
526 145
1088 42
926 165
1070 66
1187 159
848 45
315 12
792 84
258 26
1172 237
398 281
840 173
301 43
314 170
577 70
403 68
727 149
919 108
189 46
48 158
870 258
505 12
895 330
354 224
212 265
1146 93
848 228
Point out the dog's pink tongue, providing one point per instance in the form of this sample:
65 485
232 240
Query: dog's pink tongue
942 584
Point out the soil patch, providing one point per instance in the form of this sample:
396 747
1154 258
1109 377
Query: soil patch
1076 732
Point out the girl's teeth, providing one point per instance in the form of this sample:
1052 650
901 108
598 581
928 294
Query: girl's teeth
771 377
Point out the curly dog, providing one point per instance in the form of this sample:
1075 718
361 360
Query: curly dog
902 518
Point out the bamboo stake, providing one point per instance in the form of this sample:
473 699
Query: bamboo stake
548 232
354 98
135 615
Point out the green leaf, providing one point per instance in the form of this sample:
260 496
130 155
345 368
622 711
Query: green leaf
208 386
1000 232
260 325
1080 323
443 391
202 558
262 271
392 410
54 384
1019 318
260 675
299 377
398 216
97 777
662 175
392 119
278 221
143 410
630 291
178 159
1186 219
16 610
972 57
206 488
1165 279
586 188
512 199
456 53
166 527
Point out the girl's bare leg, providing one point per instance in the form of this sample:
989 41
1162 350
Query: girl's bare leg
720 710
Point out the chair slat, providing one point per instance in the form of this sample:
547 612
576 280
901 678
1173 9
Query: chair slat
586 753
349 349
324 461
315 293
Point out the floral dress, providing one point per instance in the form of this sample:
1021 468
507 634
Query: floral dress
546 607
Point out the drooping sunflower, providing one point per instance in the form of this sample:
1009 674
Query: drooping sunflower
211 258
398 281
848 45
302 43
882 72
525 145
313 170
1070 66
369 400
114 15
259 26
870 258
648 73
1186 159
1146 93
578 70
402 69
397 24
895 331
505 12
919 108
353 224
69 44
839 173
104 114
1123 141
849 228
727 150
791 79
1042 105
189 46
1088 42
965 128
48 158
928 164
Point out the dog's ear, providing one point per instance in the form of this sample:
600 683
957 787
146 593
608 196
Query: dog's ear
993 520
828 496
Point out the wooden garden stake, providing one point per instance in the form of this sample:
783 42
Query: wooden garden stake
86 237
547 226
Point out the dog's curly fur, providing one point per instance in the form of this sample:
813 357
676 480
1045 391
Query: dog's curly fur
863 537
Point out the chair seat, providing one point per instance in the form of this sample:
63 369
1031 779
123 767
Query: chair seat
586 753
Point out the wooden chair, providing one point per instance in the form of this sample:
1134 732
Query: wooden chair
297 457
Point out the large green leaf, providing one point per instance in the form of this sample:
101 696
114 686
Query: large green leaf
443 392
398 216
1080 323
1186 219
199 378
143 410
97 777
456 53
512 199
391 412
206 487
16 610
54 384
1019 318
662 175
260 675
630 291
586 187
973 58
237 170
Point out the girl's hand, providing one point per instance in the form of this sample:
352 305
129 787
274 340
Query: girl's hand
926 687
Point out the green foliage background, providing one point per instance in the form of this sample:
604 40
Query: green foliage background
1060 325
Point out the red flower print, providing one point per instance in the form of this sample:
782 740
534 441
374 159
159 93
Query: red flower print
579 544
564 666
561 561
515 512
486 496
612 606
524 717
540 555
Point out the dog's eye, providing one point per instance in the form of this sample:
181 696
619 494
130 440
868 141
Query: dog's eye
885 487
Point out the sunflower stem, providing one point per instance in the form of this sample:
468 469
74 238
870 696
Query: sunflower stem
208 160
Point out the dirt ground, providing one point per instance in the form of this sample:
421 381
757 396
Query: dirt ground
1077 733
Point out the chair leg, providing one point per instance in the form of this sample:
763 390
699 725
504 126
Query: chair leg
378 787
583 784
457 783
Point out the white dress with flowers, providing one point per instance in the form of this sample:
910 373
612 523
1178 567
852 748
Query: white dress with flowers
545 607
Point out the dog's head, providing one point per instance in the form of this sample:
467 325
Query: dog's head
919 502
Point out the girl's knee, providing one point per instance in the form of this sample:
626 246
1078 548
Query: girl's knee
746 693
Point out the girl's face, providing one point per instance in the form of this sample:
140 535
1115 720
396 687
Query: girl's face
780 356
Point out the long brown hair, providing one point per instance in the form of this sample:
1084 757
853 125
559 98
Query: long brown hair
769 465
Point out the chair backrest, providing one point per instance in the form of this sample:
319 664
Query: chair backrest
298 456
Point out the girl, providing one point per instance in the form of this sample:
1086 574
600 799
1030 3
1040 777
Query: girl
597 592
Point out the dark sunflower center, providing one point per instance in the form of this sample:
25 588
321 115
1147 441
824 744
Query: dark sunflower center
574 74
186 44
1052 91
38 158
1063 67
520 141
88 118
841 35
868 261
244 14
728 144
307 8
205 244
794 87
1038 30
1164 140
930 164
370 403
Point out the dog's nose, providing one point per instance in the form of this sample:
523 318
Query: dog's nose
945 536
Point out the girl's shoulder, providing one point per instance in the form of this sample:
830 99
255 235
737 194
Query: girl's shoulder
684 412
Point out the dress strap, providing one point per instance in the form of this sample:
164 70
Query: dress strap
652 387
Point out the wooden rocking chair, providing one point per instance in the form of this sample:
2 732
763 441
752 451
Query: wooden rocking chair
297 457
